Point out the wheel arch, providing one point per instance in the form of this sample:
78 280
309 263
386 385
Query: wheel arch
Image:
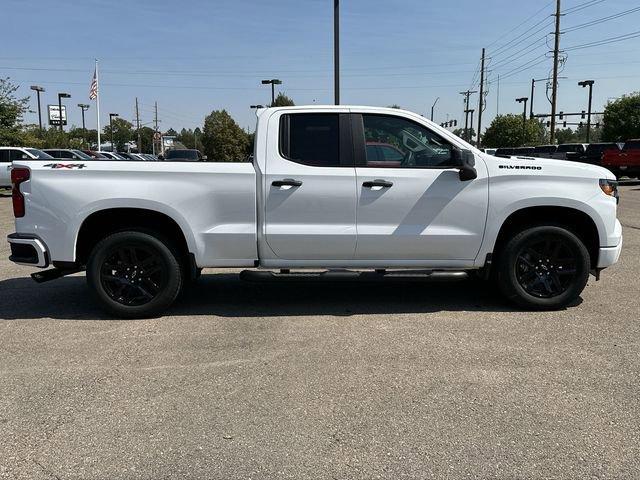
577 221
101 223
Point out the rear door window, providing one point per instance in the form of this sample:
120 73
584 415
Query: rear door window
311 139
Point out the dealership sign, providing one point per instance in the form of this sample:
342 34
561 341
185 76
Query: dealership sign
54 115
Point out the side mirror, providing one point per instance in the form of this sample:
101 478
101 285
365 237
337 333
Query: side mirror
465 161
204 157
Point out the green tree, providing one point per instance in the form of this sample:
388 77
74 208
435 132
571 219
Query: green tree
506 131
122 133
223 139
282 101
187 138
460 133
11 111
622 119
566 135
146 137
171 133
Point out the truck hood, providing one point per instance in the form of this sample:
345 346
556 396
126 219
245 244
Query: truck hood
555 167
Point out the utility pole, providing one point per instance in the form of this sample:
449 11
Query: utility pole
156 128
471 125
498 97
554 91
84 107
466 94
336 50
480 103
138 127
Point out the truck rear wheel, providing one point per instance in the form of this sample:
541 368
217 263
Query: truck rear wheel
543 268
134 274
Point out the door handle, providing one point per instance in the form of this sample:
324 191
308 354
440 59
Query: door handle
378 183
287 182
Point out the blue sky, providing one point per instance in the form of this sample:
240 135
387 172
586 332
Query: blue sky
195 56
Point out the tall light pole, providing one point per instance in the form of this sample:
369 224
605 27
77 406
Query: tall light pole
588 83
84 107
60 97
273 82
111 115
38 89
434 106
524 116
336 51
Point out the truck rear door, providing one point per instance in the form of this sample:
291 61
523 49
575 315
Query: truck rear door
309 186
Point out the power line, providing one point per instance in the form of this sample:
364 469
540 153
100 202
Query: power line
529 48
503 48
605 41
582 6
602 20
520 24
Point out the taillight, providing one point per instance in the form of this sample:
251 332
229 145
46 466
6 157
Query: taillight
18 175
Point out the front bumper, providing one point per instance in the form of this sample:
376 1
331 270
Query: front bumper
28 250
607 256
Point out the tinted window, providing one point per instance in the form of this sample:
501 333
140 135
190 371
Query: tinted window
632 144
311 139
38 153
18 155
4 156
182 155
404 143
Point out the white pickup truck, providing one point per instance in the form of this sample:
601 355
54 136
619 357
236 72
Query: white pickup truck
330 187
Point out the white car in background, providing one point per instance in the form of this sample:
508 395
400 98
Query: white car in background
9 154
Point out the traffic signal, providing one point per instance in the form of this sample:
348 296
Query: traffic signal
455 123
561 116
583 113
564 124
548 124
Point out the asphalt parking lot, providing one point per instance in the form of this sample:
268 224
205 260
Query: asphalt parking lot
420 380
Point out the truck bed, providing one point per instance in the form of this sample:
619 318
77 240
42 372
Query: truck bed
208 200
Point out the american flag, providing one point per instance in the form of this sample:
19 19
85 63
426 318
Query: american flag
93 91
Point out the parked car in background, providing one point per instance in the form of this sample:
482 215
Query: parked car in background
565 148
183 155
544 151
384 154
314 199
593 153
505 152
624 162
68 153
129 156
523 151
490 151
111 155
10 154
95 155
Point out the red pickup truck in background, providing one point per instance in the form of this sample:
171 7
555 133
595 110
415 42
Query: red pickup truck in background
625 162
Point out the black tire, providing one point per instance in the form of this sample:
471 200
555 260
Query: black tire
543 268
134 274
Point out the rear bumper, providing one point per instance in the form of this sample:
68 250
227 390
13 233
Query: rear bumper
607 256
28 250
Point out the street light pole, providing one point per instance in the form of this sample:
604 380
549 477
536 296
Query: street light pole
336 50
38 89
588 83
111 115
273 82
433 106
84 107
60 97
524 117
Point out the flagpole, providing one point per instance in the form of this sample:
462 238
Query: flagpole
98 105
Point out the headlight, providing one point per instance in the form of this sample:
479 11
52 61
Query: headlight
610 187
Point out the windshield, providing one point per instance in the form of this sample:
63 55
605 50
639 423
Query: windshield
82 155
569 148
39 154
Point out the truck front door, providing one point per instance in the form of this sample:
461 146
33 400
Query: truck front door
309 186
412 205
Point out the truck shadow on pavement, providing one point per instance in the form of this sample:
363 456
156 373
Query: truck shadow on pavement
225 295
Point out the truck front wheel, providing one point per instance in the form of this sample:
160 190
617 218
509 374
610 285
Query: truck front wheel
134 274
543 268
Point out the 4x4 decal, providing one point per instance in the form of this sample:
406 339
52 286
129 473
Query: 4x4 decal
65 165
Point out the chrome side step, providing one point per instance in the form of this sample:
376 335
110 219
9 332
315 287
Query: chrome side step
350 276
